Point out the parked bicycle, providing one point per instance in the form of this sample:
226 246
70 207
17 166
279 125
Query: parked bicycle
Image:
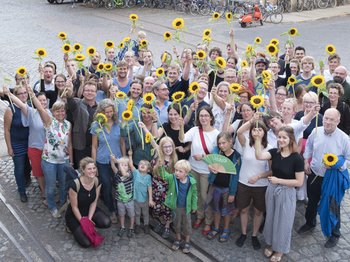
111 4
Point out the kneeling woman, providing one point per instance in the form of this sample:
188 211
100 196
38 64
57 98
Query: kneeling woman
83 198
287 173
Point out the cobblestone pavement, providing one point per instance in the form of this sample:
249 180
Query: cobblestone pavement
30 228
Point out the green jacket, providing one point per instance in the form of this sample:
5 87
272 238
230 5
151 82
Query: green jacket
171 196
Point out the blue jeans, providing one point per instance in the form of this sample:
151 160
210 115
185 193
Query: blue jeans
106 174
53 172
19 163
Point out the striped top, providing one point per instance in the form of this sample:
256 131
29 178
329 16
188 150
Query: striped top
124 188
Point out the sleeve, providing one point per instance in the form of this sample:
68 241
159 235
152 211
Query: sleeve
149 181
273 152
298 163
194 203
346 115
189 135
73 185
184 85
309 147
234 178
71 104
299 126
93 129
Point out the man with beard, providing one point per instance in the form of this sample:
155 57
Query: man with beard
260 65
339 76
48 72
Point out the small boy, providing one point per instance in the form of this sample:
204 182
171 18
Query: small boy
142 193
182 198
124 187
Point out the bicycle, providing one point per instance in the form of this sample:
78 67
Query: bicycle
271 12
133 3
207 7
326 3
285 6
111 4
237 8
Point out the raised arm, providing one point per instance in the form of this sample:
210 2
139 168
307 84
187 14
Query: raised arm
45 117
259 154
16 101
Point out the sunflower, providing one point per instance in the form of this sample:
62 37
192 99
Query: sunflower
134 17
121 45
41 52
160 72
22 71
126 39
79 57
330 159
77 47
66 48
257 101
206 38
130 104
143 43
266 82
62 35
249 48
201 55
292 80
220 62
109 44
207 32
120 95
235 87
330 49
272 49
178 96
228 17
148 137
127 115
215 16
167 36
164 57
318 80
100 67
91 50
274 41
266 74
193 88
178 23
244 63
257 40
148 98
108 66
101 118
293 31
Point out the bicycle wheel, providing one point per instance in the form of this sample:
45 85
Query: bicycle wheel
239 11
205 9
51 1
194 10
322 4
131 3
180 8
287 6
110 4
276 17
220 9
332 3
300 5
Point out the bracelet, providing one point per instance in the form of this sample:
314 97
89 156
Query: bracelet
155 122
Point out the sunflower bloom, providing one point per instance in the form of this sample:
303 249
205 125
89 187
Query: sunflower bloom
244 63
266 82
228 17
130 104
206 38
193 88
148 137
126 39
207 32
330 49
292 80
79 57
121 45
178 96
266 74
215 16
160 72
77 47
66 48
120 95
330 159
167 36
127 115
22 71
148 98
108 66
257 40
41 52
143 43
257 101
62 35
201 55
293 31
249 48
109 44
220 62
134 17
164 57
274 41
101 118
178 23
272 49
318 80
100 67
91 50
235 87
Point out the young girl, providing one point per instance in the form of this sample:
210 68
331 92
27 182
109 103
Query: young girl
223 187
167 156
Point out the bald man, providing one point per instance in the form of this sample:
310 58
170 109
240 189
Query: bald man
328 139
340 76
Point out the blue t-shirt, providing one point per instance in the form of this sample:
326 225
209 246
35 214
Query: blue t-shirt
141 185
182 193
125 88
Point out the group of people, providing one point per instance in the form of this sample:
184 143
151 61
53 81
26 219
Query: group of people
147 133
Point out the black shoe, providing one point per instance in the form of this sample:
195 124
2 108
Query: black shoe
166 233
146 229
28 181
131 233
23 197
331 242
158 228
121 232
137 229
305 228
240 241
255 243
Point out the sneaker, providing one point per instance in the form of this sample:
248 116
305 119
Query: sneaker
55 213
255 242
240 241
305 228
137 229
158 228
121 232
176 245
331 242
146 229
166 233
187 248
114 218
131 233
23 197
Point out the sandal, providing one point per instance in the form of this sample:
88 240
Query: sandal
186 248
276 258
176 245
268 252
197 223
212 234
224 235
205 232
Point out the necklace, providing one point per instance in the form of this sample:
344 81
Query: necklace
86 186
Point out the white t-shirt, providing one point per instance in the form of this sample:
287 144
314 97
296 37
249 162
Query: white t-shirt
193 136
237 146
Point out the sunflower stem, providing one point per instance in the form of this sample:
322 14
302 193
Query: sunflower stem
104 136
